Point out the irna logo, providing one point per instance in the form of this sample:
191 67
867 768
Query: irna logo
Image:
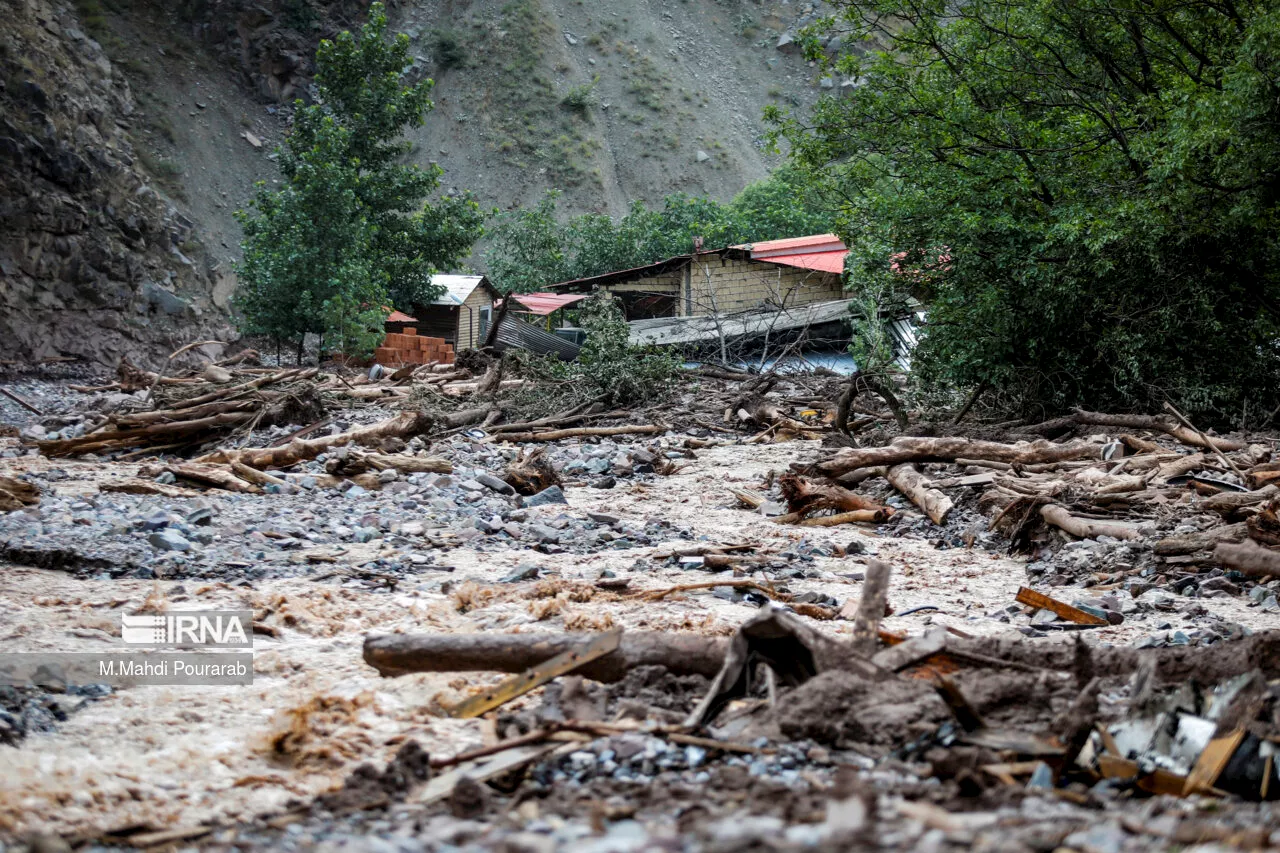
189 628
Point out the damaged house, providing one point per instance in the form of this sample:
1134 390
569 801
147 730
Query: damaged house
751 292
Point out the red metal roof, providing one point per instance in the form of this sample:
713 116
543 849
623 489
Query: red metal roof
543 304
398 317
832 262
824 252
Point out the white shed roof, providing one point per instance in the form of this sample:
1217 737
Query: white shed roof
456 288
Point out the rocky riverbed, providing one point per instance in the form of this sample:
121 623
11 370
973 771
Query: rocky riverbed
320 752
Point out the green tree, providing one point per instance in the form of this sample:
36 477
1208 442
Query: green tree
349 232
536 247
1084 192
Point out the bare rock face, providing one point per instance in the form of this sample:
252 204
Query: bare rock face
271 42
92 259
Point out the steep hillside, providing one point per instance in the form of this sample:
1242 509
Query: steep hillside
135 128
94 262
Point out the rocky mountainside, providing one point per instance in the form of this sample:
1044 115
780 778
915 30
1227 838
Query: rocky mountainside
94 261
133 129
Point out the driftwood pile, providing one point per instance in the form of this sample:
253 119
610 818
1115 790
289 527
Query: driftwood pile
1128 483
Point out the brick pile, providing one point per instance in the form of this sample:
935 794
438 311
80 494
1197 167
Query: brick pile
408 347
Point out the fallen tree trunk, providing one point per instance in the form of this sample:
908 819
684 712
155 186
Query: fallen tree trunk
1225 503
1189 543
913 449
580 432
1249 557
1159 423
916 486
1085 528
220 478
682 654
857 516
403 425
162 433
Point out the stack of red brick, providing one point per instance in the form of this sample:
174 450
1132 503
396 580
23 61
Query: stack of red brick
408 347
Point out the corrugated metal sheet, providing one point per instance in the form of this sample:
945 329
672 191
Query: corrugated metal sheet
543 304
515 333
401 317
703 328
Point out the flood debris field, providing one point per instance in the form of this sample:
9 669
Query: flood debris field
711 624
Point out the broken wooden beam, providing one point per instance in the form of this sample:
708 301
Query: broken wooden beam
1040 601
866 619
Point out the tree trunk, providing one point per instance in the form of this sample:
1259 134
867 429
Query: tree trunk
681 654
913 449
1249 557
1085 528
906 479
871 607
1169 426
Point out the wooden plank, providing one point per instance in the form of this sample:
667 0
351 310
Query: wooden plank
1212 761
1040 601
536 676
909 652
482 770
1158 782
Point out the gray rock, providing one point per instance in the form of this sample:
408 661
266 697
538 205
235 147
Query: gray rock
488 480
158 520
605 483
603 518
787 43
702 156
546 497
169 540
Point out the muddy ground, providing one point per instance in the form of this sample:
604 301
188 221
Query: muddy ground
836 763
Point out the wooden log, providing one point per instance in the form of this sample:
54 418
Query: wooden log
21 402
152 434
916 486
857 516
220 478
581 432
15 493
1180 466
162 416
947 449
1085 528
403 425
1189 543
254 476
682 654
1227 503
1159 423
871 607
1248 557
406 464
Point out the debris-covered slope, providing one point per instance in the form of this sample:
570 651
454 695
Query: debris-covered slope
93 261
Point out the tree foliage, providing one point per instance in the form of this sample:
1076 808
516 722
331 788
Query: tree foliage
348 232
1083 191
534 247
